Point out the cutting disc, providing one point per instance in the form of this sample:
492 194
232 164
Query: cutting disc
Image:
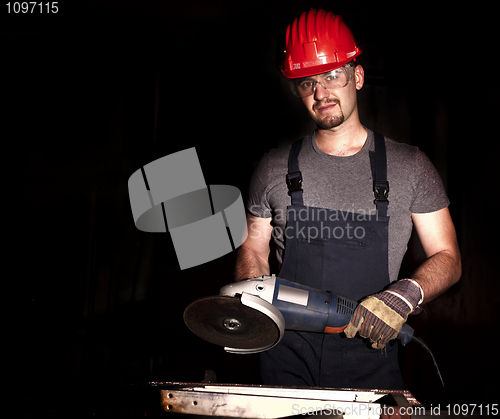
226 321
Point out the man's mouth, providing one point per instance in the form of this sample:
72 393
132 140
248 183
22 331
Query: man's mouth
325 107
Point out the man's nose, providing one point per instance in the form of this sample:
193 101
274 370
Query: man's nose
320 92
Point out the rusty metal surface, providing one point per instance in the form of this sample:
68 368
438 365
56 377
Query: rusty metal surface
254 401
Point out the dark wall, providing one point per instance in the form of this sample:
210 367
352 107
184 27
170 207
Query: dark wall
99 89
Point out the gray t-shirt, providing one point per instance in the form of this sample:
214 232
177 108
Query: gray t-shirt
345 184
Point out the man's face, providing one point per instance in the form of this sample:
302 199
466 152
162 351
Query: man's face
331 107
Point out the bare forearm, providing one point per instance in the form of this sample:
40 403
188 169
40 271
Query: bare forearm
249 264
443 267
438 273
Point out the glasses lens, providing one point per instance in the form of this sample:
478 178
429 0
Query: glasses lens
335 79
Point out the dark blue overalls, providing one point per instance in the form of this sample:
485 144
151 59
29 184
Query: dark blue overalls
347 254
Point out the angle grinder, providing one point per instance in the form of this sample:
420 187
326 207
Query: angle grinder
251 316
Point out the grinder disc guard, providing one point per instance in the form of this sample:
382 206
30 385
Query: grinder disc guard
225 321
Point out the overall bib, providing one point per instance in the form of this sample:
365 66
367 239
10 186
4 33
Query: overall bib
347 254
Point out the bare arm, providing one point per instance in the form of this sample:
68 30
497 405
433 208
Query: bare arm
252 259
442 267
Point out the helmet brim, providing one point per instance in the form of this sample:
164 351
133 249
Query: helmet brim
315 69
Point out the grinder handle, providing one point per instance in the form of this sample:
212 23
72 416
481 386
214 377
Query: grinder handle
405 334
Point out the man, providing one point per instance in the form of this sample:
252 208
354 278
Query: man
326 203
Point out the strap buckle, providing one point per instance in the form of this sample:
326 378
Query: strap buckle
381 191
294 182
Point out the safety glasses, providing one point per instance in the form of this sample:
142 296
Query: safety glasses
335 79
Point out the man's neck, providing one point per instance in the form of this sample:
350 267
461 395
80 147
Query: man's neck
344 140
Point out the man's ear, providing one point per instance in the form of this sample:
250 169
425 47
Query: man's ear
359 75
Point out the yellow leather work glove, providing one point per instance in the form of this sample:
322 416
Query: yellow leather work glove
381 316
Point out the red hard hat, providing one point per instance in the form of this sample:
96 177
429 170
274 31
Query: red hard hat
317 42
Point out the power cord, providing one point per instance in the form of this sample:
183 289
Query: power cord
424 345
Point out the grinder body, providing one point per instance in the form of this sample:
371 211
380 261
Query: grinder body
311 310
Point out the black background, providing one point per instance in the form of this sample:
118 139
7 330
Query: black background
99 89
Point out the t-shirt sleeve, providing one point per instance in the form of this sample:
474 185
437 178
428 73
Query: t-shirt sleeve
257 202
429 192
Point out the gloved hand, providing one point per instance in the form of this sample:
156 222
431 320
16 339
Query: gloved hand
381 316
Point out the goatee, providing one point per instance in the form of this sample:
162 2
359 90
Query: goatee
331 121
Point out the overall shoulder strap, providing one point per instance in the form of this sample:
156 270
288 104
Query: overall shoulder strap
380 183
294 176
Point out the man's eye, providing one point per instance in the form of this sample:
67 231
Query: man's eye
331 77
305 84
